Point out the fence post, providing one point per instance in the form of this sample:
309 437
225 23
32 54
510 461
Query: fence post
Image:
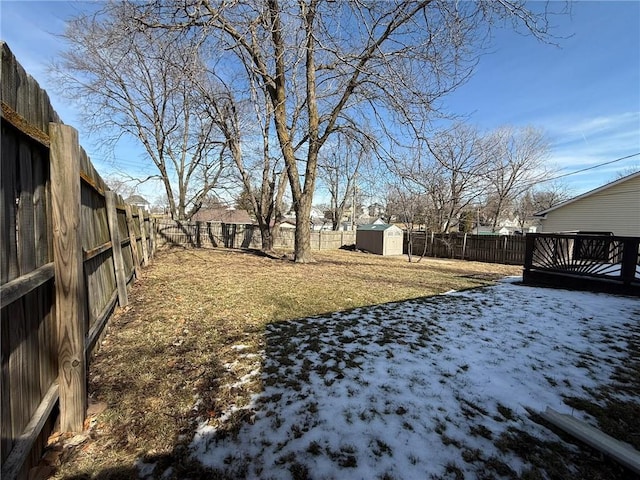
464 245
116 248
133 241
143 234
69 277
504 249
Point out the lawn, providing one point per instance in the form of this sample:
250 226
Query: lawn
260 368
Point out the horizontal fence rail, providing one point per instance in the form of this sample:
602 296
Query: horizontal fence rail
610 262
482 248
70 250
237 235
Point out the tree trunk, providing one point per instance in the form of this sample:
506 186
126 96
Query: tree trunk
410 243
302 247
268 234
267 239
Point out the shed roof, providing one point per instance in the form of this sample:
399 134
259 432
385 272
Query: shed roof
376 227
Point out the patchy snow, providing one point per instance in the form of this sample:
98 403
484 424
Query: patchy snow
404 389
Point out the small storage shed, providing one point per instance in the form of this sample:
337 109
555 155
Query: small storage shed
381 239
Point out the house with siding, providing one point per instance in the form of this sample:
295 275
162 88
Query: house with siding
614 207
138 201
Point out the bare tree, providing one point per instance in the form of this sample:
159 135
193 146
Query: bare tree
549 195
407 206
137 83
263 175
457 152
537 199
325 65
516 160
625 172
121 184
448 168
338 169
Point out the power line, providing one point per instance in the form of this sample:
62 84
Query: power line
527 186
590 168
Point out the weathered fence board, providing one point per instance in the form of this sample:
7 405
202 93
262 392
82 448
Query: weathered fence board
54 308
114 232
70 285
9 260
507 249
236 235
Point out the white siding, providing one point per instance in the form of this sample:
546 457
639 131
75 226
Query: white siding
615 209
381 242
394 237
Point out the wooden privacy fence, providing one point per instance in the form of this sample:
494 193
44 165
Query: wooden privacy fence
236 235
506 249
70 248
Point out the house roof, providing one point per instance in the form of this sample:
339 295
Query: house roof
588 194
136 200
375 227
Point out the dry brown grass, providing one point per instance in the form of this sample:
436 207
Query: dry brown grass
169 359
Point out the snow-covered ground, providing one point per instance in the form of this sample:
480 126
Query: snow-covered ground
410 389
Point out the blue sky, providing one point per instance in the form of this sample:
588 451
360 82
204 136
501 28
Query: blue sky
584 91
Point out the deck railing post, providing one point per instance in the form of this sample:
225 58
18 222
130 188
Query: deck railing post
530 244
69 276
629 259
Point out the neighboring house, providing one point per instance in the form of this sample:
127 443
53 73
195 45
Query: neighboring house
320 223
138 201
288 224
349 225
316 213
614 207
482 230
376 210
505 229
222 215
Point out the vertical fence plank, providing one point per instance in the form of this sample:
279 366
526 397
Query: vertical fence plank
116 248
133 241
26 264
41 225
68 259
143 234
9 259
6 428
152 236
